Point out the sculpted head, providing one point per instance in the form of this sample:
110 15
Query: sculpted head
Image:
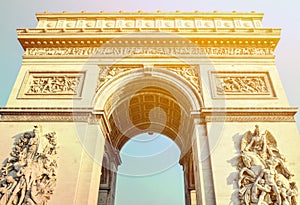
27 135
10 179
261 181
247 160
279 183
37 130
256 131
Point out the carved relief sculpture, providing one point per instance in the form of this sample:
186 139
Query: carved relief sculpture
242 85
39 84
232 84
263 175
54 85
28 175
149 51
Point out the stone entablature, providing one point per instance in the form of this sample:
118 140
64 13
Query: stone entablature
213 34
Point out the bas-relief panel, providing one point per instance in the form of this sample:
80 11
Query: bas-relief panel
241 85
263 175
28 175
52 85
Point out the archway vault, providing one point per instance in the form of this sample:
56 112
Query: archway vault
149 99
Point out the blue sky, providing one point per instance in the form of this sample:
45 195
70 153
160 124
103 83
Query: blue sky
150 173
158 188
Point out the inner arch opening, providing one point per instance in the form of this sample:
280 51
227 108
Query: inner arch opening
150 172
149 109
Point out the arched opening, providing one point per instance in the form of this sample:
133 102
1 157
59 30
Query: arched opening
149 102
150 172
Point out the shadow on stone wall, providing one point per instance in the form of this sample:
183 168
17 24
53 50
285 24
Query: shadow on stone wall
232 178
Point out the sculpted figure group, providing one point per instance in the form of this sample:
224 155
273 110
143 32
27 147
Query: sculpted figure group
54 85
28 175
263 176
242 85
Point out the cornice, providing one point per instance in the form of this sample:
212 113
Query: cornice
141 13
45 115
254 109
248 114
30 38
175 42
149 33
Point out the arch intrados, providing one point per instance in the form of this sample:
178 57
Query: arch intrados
125 100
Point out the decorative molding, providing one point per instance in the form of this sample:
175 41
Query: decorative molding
248 114
53 115
208 28
264 177
254 118
241 85
52 85
28 175
182 51
44 117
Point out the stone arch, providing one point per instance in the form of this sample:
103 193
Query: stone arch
160 99
124 92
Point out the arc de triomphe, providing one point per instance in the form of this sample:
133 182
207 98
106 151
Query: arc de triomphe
91 81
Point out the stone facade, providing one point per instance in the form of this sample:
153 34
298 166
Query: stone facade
97 79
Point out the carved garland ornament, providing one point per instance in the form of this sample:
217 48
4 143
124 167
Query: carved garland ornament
263 175
190 73
28 175
108 72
